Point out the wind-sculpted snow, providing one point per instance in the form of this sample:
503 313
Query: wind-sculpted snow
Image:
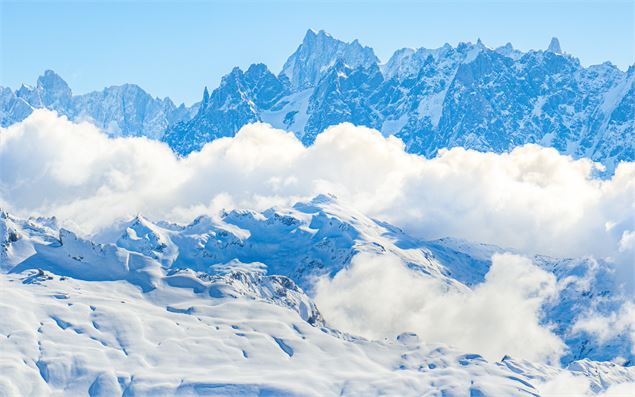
72 337
160 309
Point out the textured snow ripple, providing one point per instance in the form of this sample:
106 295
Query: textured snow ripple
119 341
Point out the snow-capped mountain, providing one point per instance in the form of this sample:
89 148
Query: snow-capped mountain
317 54
125 110
139 295
469 95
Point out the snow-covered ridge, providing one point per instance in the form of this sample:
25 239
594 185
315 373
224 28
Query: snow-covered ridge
226 295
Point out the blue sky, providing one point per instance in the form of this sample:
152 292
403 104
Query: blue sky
176 48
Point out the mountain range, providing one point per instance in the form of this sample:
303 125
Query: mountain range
469 95
125 110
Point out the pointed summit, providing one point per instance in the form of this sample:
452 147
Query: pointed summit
51 92
554 46
52 81
318 53
311 36
205 97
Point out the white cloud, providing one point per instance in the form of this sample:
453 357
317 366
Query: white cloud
619 390
568 384
605 327
532 199
627 242
565 384
381 297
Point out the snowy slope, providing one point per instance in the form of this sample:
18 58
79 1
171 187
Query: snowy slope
218 307
305 242
74 337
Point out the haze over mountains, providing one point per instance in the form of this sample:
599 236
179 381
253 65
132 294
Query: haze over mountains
125 110
469 95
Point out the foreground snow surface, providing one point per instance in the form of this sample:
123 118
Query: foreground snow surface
157 309
61 336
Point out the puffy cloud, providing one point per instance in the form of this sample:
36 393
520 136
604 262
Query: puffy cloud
605 327
381 297
532 199
568 384
54 167
619 390
565 384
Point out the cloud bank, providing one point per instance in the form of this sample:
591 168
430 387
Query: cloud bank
381 297
532 199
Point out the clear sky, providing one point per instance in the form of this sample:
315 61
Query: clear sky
175 48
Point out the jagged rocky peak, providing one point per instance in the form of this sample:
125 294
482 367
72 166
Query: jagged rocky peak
231 81
51 81
509 51
317 53
407 62
507 47
257 72
120 110
257 84
205 97
400 63
554 46
51 91
265 87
